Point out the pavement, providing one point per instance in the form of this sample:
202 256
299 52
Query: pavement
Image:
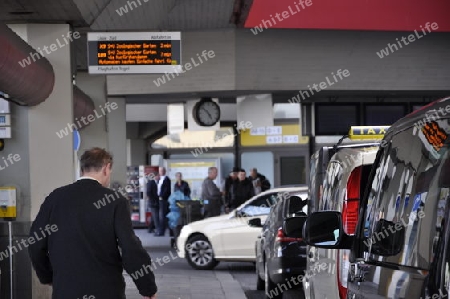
177 280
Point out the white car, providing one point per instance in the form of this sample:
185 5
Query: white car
229 237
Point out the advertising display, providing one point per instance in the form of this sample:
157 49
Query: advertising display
194 172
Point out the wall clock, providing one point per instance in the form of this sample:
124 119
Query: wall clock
206 112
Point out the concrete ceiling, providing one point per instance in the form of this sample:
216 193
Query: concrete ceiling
123 15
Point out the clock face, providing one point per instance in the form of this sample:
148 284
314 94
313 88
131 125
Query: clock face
207 113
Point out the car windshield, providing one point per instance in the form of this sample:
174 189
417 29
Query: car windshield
409 194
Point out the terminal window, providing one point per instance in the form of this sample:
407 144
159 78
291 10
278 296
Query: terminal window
335 119
293 170
383 115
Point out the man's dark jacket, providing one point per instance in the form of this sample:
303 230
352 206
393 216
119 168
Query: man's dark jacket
165 188
229 190
82 257
152 193
243 191
265 184
182 187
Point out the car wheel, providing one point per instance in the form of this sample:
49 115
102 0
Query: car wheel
270 288
200 254
259 282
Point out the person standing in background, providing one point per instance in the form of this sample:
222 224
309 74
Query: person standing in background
260 182
181 185
153 202
243 189
229 188
164 192
211 194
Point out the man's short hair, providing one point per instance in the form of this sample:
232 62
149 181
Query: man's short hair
211 169
94 159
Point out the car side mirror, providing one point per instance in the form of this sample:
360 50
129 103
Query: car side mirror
293 226
324 230
255 222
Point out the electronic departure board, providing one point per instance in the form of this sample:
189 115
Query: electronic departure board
134 52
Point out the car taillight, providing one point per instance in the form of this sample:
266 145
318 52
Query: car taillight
343 266
281 237
351 203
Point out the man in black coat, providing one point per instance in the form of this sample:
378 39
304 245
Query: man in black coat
229 188
82 257
243 190
164 191
153 201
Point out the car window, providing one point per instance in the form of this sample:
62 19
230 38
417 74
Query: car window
260 206
408 196
263 204
296 204
331 188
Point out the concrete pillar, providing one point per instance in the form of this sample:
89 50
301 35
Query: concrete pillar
136 145
93 135
117 140
46 160
138 152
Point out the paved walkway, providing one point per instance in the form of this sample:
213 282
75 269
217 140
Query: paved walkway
177 280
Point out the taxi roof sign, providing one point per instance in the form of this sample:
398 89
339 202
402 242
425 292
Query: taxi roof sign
367 132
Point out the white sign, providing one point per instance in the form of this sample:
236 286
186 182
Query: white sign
194 172
260 131
175 118
274 139
274 130
4 104
290 139
5 132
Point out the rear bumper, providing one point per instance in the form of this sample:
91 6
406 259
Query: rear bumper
292 269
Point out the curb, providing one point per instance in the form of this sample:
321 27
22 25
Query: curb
231 287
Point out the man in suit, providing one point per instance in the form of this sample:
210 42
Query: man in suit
82 257
153 202
164 192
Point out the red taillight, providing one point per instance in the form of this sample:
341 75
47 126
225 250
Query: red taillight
351 203
343 264
281 237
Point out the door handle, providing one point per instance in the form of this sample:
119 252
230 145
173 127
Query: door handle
311 254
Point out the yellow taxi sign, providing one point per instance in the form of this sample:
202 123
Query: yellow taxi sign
367 132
